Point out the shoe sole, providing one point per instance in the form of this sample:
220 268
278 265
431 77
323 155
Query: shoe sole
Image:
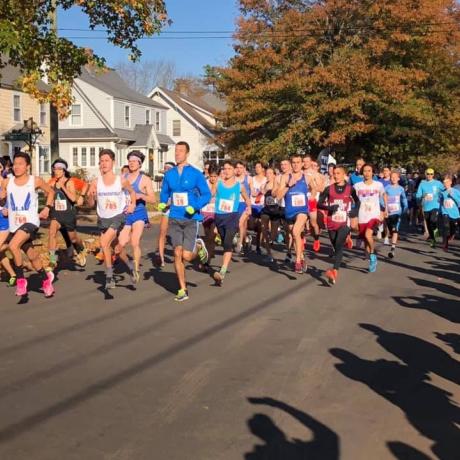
181 299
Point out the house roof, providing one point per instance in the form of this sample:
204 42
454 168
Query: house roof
164 139
94 133
9 76
111 83
181 101
207 101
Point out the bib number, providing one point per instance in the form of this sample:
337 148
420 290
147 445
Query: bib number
60 205
226 205
180 199
428 197
210 208
298 200
449 204
19 219
110 205
339 217
393 207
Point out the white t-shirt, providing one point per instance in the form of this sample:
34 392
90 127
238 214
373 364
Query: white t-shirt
369 196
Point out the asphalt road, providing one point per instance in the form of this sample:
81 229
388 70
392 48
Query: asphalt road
273 365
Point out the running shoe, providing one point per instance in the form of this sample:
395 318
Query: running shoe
135 276
218 278
202 251
391 254
182 295
349 242
386 241
280 238
21 287
12 281
50 275
288 258
81 258
298 267
109 283
316 246
269 259
331 276
372 263
47 286
158 261
432 243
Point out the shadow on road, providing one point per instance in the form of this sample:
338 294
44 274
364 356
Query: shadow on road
451 339
427 407
324 444
403 451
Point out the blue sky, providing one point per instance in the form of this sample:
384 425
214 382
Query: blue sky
189 55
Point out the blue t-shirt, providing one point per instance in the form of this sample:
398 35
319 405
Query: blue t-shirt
385 182
450 202
187 189
227 198
429 193
296 198
396 199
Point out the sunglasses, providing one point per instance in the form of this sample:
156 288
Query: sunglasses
429 174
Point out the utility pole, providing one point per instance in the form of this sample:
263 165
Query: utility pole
54 119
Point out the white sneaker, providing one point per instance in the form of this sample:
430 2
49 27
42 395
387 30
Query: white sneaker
386 241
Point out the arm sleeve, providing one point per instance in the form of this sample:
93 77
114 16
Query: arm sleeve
165 193
205 193
323 197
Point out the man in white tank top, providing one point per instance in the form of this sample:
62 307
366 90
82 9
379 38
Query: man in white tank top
21 195
108 192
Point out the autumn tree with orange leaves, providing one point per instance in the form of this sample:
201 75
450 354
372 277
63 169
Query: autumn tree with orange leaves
374 77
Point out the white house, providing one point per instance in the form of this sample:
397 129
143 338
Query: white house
192 119
106 113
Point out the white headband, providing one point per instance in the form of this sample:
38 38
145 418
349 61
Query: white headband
59 165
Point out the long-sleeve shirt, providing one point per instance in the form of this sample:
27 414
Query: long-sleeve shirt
188 188
450 202
396 200
429 193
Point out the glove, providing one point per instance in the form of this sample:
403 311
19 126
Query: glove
334 208
162 206
190 210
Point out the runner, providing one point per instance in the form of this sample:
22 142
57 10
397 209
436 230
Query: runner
227 217
316 184
337 199
450 203
257 202
24 220
429 195
109 193
371 211
357 175
63 216
397 206
271 212
294 190
243 177
135 222
4 232
285 168
384 178
189 192
159 258
209 211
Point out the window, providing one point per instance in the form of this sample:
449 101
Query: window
215 157
44 159
176 128
157 121
75 117
83 157
17 107
161 159
43 113
75 156
92 156
147 117
127 116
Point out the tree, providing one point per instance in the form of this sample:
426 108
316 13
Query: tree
375 77
143 76
29 41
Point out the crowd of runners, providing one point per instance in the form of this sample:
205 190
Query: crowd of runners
289 205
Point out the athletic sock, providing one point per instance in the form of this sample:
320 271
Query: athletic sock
19 271
109 272
223 270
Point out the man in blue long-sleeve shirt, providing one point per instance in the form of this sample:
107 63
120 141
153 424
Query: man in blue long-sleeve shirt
186 189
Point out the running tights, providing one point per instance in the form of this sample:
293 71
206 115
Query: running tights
338 238
431 219
448 228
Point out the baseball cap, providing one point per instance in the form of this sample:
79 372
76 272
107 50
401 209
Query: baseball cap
429 171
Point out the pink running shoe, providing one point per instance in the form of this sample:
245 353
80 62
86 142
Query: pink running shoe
21 287
47 287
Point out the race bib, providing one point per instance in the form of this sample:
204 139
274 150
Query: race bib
393 207
210 208
226 205
19 219
449 204
428 197
369 207
298 200
339 217
60 205
110 204
180 199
